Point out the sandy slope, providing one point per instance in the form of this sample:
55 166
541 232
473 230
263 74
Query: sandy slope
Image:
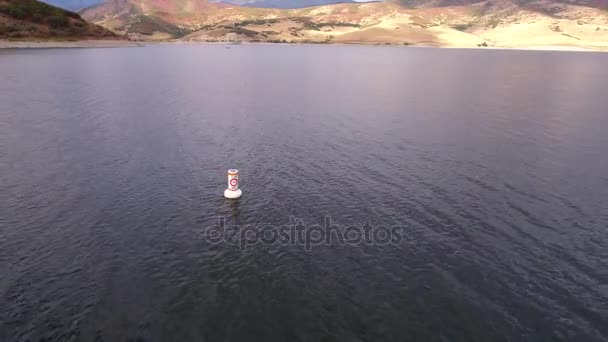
548 32
495 23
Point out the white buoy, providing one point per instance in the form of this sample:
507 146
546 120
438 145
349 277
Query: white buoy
233 190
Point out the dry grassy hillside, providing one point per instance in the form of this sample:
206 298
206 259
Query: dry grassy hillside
499 23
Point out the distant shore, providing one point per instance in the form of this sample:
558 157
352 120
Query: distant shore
490 47
538 48
23 44
10 44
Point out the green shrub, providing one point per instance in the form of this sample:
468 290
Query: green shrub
257 22
37 17
493 23
245 32
17 12
462 27
309 25
58 21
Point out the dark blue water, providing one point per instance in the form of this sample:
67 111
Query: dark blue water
493 165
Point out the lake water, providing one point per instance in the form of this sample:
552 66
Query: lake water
492 164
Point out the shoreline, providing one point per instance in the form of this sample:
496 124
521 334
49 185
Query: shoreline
563 48
42 44
24 44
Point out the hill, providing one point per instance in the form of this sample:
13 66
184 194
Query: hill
27 19
498 23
